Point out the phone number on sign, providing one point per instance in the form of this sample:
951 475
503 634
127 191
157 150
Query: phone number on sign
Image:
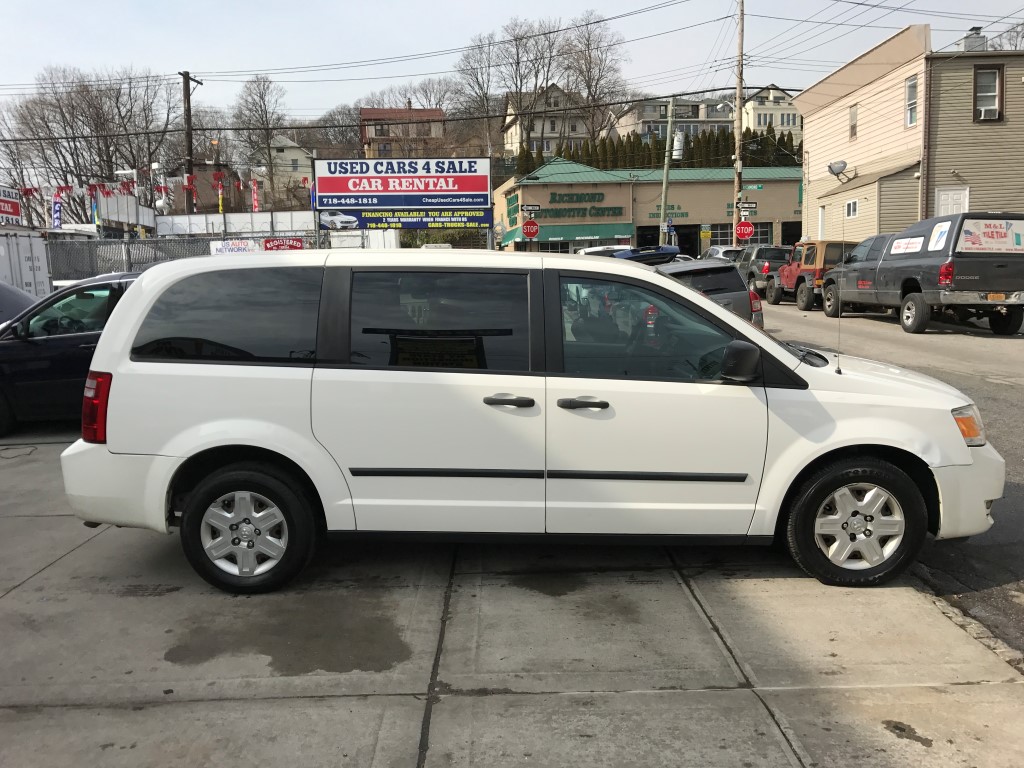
332 201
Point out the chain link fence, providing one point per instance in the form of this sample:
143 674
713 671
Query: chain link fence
79 259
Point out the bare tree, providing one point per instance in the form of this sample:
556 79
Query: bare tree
434 93
476 82
259 117
334 134
77 128
1010 39
593 59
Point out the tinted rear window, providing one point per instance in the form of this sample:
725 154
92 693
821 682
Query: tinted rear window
712 281
235 315
773 254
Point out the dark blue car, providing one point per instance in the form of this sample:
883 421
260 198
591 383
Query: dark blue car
655 254
45 350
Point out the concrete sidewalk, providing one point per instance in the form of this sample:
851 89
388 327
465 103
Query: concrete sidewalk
115 653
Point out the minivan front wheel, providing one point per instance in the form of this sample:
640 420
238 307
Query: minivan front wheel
245 530
857 522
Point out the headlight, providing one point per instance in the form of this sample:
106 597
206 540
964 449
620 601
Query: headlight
969 420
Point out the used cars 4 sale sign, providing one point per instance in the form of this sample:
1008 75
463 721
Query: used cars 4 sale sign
410 193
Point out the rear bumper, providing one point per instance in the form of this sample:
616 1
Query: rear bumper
115 488
966 493
980 298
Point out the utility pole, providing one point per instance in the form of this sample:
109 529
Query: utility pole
738 126
186 100
669 147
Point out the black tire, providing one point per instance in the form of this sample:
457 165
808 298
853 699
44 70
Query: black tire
752 286
773 293
818 489
915 313
804 297
278 487
7 420
830 301
1006 324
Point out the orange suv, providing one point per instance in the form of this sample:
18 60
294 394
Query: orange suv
801 276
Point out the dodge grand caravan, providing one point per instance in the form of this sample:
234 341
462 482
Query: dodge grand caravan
256 402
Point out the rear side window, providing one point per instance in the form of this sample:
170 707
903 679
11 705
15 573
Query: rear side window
774 254
448 320
712 281
235 315
834 254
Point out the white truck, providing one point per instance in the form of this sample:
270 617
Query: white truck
23 261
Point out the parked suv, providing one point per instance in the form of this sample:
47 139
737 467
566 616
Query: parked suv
721 252
719 279
971 263
757 262
255 402
801 276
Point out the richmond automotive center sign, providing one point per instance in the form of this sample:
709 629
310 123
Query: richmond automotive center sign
410 193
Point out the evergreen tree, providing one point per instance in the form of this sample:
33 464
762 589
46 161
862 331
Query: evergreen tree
687 151
791 159
538 161
587 154
560 149
771 154
693 156
524 162
630 151
708 149
748 138
620 153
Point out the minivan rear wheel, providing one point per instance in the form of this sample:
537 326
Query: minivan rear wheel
245 530
857 522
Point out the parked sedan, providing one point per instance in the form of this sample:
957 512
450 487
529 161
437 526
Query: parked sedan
722 252
45 350
720 280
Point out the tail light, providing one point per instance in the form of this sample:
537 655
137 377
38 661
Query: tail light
818 274
94 407
946 274
650 315
755 302
765 269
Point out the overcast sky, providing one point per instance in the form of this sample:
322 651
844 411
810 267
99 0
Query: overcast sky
212 38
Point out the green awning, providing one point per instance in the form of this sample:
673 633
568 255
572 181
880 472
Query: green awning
571 232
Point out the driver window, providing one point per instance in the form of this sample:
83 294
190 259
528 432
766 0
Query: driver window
84 311
859 253
618 330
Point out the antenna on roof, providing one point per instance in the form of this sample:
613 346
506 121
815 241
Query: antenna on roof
836 168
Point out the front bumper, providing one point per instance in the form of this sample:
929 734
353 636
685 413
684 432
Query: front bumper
116 488
966 493
981 298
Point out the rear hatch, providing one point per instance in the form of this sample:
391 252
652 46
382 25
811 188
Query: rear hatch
775 257
720 283
989 255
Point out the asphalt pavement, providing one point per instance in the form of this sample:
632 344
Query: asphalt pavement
116 654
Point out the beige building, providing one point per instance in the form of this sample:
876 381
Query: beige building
922 134
580 207
402 132
773 106
283 188
542 120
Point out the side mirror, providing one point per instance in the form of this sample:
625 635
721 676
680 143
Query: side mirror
741 361
18 331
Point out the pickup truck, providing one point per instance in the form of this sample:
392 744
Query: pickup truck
758 261
971 263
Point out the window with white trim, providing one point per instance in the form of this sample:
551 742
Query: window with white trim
988 94
851 209
853 122
910 90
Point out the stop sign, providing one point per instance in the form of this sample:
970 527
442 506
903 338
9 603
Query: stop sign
531 229
744 230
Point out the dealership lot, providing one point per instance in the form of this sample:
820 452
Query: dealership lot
384 654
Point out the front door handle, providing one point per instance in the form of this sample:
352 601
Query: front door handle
87 346
574 403
513 400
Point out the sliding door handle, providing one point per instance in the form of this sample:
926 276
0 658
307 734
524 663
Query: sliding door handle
513 400
575 403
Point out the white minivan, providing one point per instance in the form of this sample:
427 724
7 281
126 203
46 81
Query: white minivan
257 402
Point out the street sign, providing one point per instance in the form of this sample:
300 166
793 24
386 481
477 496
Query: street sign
705 234
530 207
748 206
753 186
531 229
744 230
705 227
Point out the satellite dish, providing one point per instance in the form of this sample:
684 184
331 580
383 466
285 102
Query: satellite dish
836 167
